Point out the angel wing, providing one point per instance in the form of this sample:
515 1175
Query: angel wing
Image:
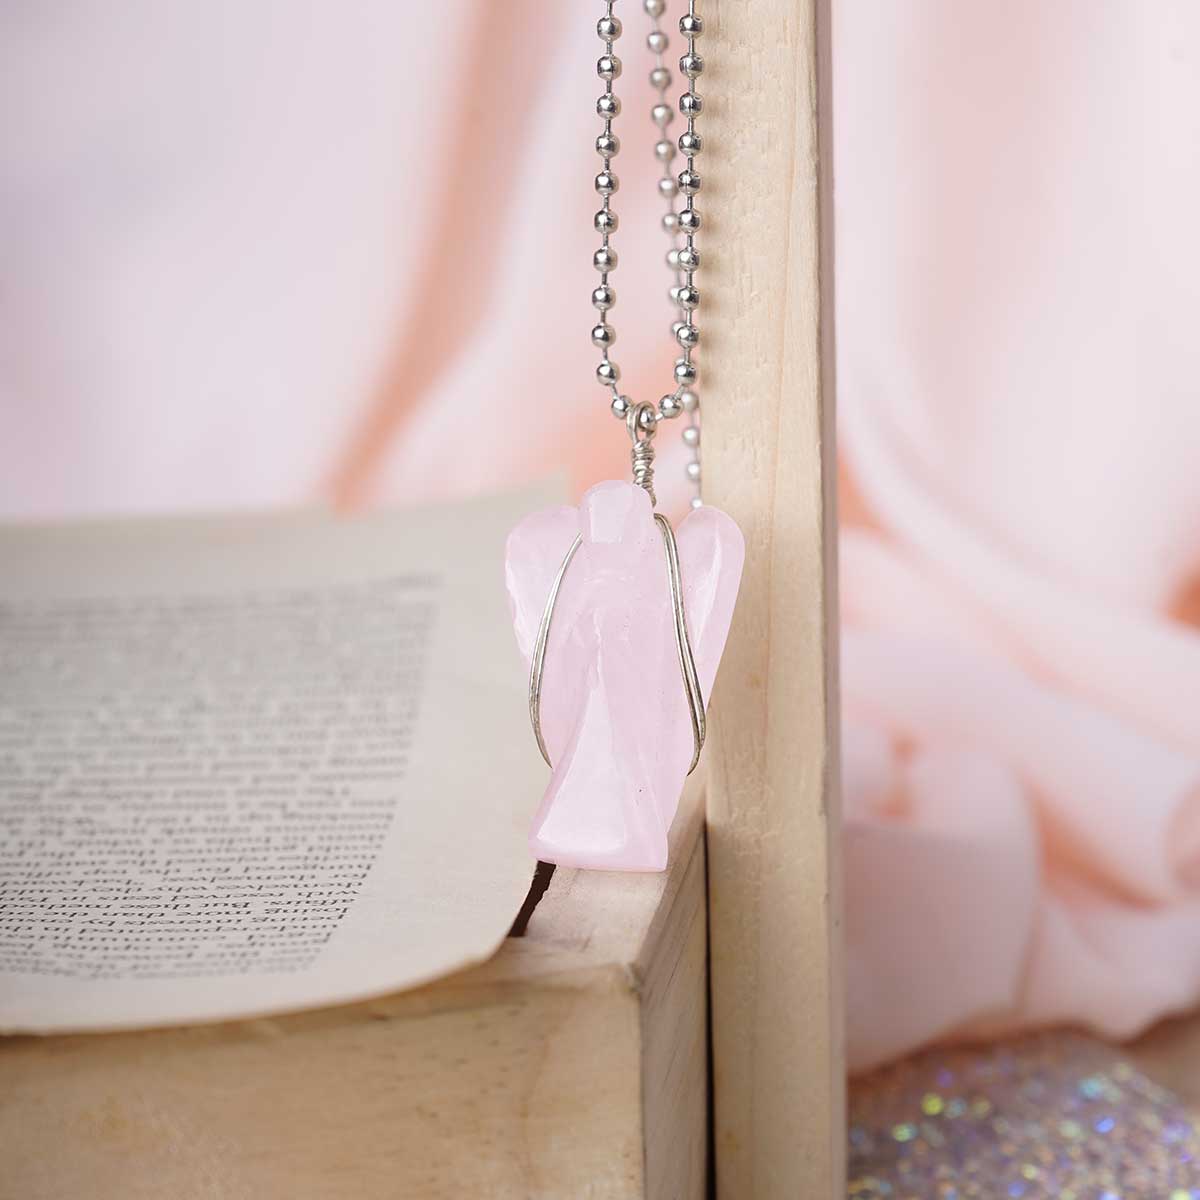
534 553
711 553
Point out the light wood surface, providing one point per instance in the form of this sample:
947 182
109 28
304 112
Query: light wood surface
767 393
572 1064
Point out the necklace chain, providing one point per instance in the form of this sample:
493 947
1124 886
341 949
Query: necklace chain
683 260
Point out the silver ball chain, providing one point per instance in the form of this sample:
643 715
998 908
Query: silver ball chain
683 260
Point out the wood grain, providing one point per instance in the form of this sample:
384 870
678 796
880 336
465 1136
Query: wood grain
769 461
573 1064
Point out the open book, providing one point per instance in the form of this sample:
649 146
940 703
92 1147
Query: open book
255 763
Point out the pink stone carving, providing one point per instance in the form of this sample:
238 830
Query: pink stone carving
614 712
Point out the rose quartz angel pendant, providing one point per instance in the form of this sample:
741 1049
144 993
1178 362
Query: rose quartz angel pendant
621 624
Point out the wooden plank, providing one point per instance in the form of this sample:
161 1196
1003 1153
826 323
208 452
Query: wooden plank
768 460
572 1064
487 1098
672 966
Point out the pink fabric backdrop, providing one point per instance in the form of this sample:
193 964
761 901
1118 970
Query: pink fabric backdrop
261 253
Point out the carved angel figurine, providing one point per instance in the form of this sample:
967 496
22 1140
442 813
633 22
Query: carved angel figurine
615 718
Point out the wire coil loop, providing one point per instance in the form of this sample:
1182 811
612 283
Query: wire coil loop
641 420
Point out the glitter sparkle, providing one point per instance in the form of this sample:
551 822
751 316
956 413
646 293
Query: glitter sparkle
1051 1116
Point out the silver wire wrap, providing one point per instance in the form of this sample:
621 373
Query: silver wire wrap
683 645
642 457
538 666
640 421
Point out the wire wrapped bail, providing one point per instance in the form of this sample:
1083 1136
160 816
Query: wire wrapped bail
641 421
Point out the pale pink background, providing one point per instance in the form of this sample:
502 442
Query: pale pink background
254 252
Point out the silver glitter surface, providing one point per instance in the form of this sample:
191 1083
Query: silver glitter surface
1057 1115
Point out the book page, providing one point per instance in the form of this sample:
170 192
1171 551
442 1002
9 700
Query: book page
253 764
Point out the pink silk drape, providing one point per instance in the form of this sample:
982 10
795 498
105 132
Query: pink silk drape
1019 279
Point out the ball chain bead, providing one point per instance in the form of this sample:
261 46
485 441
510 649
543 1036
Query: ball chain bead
608 373
683 259
696 502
